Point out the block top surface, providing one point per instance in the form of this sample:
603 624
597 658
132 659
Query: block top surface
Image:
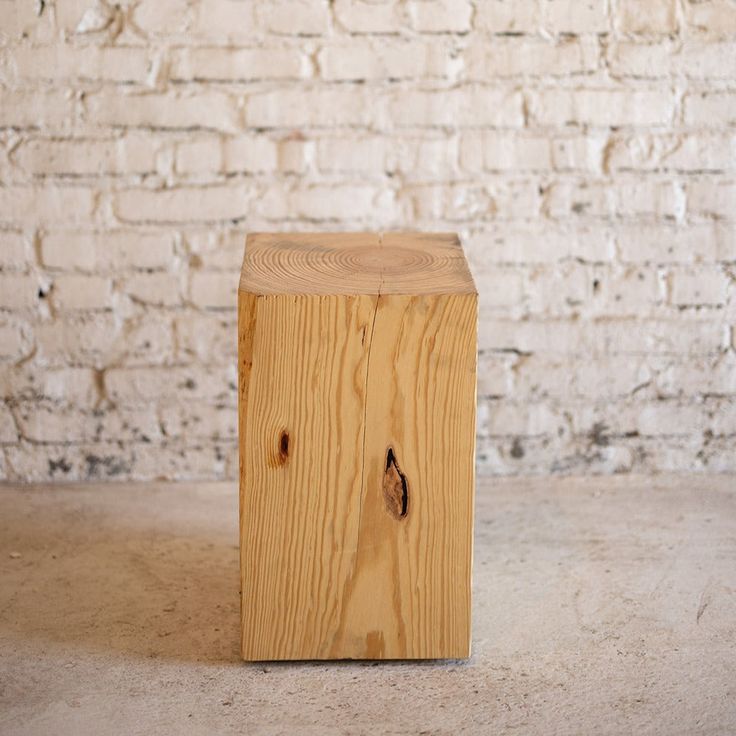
355 263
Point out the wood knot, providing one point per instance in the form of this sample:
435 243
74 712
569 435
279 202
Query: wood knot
395 487
284 447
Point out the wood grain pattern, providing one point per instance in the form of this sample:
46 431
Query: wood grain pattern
357 441
355 263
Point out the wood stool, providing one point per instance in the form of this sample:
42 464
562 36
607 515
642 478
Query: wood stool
357 363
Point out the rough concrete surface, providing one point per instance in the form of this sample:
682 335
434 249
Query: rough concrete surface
601 605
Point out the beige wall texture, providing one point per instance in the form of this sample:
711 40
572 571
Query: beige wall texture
585 150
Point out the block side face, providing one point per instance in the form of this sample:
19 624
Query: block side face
336 562
411 589
355 263
247 315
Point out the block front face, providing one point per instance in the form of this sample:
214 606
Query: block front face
357 437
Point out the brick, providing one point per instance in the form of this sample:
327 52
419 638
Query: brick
295 17
630 291
495 377
148 342
701 376
705 61
69 252
162 17
99 18
660 244
68 204
18 291
15 340
208 110
559 290
182 459
467 107
385 59
250 153
424 159
160 289
21 21
354 155
308 107
505 152
196 419
692 60
44 423
295 154
504 289
331 203
650 18
224 21
59 461
610 377
617 335
202 335
510 57
668 418
360 16
688 153
183 204
440 16
170 383
603 107
711 19
81 338
699 286
36 108
542 376
661 200
514 200
451 203
536 418
239 64
710 109
584 153
60 385
200 156
501 16
537 243
94 63
214 290
572 16
712 199
222 252
107 251
641 59
71 292
87 157
633 199
8 430
13 252
70 13
721 417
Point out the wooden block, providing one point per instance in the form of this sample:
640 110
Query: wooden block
357 362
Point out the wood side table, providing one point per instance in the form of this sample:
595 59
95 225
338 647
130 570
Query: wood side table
357 364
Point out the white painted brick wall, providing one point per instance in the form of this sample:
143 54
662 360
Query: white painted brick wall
586 152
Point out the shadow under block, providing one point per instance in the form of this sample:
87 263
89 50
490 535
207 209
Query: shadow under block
357 364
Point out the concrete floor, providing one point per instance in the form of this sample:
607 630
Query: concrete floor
603 605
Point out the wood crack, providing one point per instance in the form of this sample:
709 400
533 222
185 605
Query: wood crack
365 395
365 410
